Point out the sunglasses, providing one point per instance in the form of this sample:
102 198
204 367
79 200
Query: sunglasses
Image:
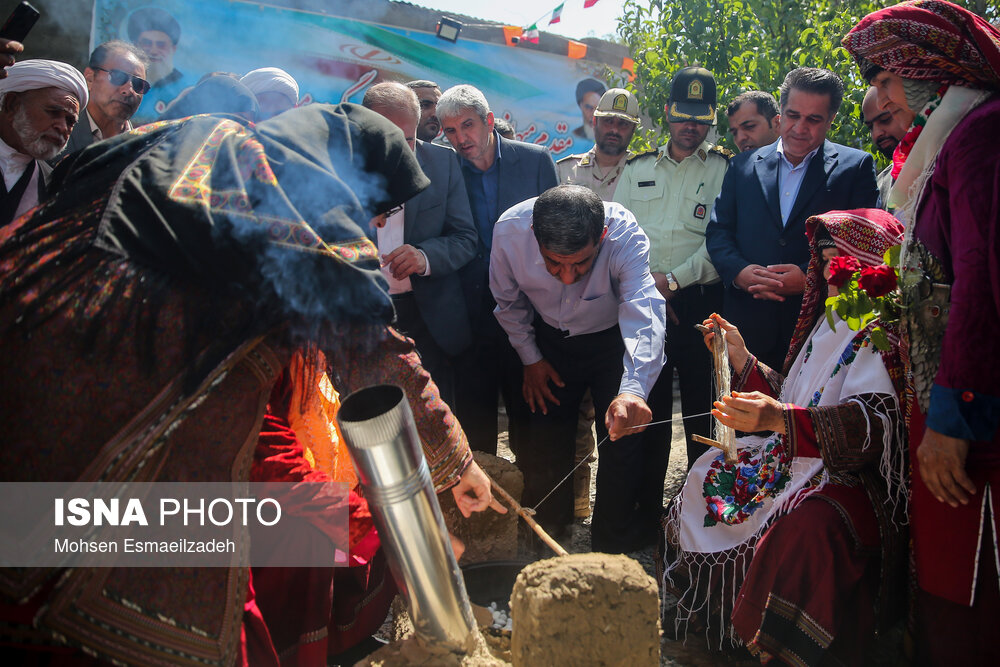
118 78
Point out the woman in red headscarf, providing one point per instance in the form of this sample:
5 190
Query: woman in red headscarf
943 63
807 526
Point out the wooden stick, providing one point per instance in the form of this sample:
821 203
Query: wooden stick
526 515
708 441
725 436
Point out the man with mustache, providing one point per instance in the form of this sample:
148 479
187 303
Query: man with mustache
570 275
671 191
888 125
614 121
40 102
116 81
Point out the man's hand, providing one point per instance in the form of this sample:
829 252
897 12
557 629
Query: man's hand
747 277
942 467
8 49
627 411
777 281
457 546
404 261
750 412
473 493
535 387
773 282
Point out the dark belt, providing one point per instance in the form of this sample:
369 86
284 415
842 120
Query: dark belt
539 323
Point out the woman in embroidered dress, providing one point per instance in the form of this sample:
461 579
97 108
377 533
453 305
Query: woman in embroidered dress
800 526
943 63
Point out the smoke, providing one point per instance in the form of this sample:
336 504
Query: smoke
307 238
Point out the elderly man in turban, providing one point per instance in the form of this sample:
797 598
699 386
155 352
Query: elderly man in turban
40 102
942 63
275 89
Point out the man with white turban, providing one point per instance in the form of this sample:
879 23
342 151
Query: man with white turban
275 89
40 102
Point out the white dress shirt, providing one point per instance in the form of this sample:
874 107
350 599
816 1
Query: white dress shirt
790 179
618 290
13 165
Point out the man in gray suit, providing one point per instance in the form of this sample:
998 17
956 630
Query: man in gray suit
423 246
499 173
115 78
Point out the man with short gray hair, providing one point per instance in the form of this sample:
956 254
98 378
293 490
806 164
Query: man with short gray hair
499 173
570 275
423 246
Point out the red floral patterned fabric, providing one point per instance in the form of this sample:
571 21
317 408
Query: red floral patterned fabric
864 234
928 40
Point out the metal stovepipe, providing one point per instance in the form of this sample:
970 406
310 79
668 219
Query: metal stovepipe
378 427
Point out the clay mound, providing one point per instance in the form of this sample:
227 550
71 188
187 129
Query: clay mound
488 536
585 609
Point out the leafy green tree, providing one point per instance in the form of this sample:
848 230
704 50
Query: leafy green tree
749 45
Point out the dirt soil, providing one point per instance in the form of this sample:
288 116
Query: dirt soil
585 609
488 536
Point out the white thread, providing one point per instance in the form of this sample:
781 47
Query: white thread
560 482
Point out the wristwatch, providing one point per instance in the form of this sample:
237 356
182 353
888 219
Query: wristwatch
672 283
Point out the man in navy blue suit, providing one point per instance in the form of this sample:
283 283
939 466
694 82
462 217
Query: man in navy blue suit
756 237
424 245
499 173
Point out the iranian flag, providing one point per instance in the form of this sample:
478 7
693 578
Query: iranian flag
587 4
531 33
557 14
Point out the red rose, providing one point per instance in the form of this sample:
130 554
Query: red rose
877 281
842 267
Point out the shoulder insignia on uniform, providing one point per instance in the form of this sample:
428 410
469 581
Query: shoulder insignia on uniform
724 152
643 154
575 156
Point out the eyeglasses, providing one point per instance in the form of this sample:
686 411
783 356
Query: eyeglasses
118 78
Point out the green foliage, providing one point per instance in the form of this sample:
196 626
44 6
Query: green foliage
749 45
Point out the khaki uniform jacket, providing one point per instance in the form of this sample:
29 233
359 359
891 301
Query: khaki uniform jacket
673 203
582 169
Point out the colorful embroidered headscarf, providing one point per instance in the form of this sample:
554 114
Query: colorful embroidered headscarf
928 40
862 233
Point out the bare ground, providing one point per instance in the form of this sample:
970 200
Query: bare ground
692 653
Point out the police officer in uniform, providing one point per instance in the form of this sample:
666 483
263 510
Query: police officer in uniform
671 191
615 121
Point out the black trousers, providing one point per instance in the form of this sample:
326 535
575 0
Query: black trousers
436 361
488 370
589 361
686 352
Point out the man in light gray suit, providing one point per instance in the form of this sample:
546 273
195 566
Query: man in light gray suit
423 246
